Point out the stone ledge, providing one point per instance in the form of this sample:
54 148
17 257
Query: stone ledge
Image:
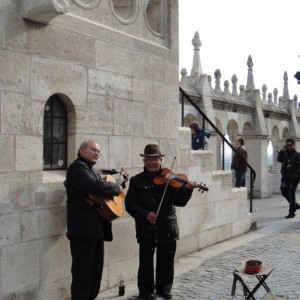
55 176
43 11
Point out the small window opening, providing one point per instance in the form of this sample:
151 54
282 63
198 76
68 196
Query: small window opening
55 134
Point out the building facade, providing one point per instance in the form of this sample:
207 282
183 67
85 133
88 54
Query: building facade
107 70
265 120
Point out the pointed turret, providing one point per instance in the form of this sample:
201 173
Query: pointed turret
196 69
286 94
250 80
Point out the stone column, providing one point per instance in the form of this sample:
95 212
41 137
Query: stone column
257 150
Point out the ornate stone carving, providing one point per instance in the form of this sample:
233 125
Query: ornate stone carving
226 88
234 81
250 80
286 94
218 81
183 73
87 4
196 69
242 92
270 98
264 93
275 94
43 11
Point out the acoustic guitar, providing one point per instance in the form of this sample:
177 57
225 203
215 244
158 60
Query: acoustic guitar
109 208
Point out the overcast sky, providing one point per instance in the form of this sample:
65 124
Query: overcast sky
231 30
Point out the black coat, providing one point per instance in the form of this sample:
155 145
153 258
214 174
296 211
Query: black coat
144 197
239 160
290 168
83 220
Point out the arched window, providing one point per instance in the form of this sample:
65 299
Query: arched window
55 134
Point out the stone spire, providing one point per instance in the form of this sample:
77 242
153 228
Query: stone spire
196 69
275 94
250 80
218 75
285 87
183 79
264 93
234 81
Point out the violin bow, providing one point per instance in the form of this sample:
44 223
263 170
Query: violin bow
163 196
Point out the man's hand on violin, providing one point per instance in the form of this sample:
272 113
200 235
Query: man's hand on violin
191 185
152 217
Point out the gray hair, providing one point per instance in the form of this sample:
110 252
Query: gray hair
83 145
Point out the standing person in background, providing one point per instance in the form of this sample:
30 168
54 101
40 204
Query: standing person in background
290 174
155 231
239 162
199 136
86 229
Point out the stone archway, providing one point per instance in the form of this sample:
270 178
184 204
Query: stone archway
188 119
247 129
232 130
285 133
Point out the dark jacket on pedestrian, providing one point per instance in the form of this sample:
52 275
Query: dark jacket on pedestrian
144 197
239 160
290 168
197 139
83 220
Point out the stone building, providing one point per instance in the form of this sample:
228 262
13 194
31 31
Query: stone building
261 118
106 70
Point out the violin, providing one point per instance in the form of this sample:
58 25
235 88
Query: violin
175 180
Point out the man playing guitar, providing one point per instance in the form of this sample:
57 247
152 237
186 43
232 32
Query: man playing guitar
86 228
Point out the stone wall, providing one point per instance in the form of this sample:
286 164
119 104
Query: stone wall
115 69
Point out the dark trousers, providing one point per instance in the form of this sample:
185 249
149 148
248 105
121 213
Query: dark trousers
165 253
87 266
240 178
288 191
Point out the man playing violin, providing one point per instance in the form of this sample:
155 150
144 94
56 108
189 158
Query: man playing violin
86 229
155 230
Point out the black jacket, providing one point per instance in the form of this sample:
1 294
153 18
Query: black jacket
197 139
290 168
83 220
239 159
143 197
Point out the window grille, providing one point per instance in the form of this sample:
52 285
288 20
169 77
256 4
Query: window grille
55 134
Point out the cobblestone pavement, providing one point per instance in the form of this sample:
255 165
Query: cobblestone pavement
212 279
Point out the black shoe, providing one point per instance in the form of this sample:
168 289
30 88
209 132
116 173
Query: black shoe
289 216
297 206
146 297
165 295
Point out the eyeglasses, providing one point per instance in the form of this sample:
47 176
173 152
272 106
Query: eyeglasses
289 145
95 150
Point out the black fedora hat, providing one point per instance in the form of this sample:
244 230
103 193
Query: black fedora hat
152 150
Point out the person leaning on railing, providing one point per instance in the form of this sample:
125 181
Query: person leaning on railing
197 137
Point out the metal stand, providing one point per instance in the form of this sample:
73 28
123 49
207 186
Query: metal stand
238 273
